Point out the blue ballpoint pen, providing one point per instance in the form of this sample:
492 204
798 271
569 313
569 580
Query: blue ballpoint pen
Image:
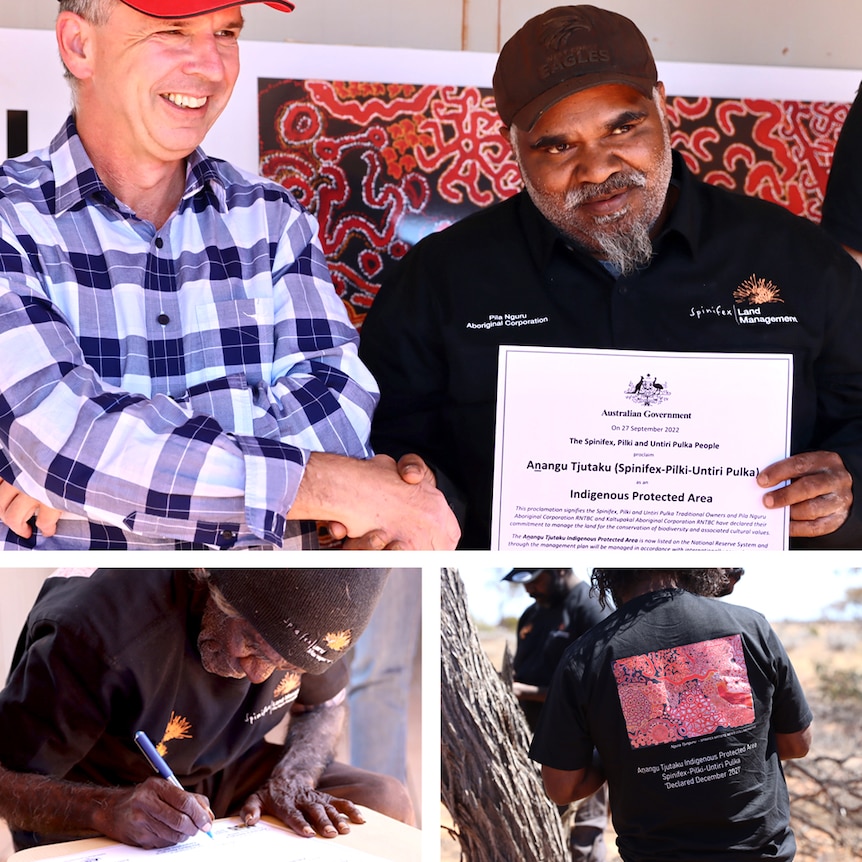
157 761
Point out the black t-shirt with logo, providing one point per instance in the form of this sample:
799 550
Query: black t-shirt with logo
730 273
103 657
682 697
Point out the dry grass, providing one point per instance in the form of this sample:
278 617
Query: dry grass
826 786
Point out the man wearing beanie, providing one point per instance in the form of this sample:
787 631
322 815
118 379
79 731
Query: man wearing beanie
205 663
176 369
614 244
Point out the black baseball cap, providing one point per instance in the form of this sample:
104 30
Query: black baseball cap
563 51
523 576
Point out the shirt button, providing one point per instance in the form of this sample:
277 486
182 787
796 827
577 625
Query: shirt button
163 319
623 289
159 242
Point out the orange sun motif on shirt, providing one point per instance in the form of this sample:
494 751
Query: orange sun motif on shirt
755 291
178 728
289 683
339 641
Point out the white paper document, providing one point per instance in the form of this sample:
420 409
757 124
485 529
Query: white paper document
233 842
629 450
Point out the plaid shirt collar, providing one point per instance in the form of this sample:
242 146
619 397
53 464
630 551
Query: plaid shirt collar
77 181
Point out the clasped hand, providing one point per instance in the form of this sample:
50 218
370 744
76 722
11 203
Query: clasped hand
423 519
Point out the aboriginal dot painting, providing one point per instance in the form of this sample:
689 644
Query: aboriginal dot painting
684 692
381 165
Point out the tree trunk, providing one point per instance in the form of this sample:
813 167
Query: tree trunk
490 787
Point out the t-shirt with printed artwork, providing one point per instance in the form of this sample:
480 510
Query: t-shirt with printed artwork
682 696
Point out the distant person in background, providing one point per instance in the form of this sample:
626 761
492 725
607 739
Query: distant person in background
686 706
562 611
842 203
381 676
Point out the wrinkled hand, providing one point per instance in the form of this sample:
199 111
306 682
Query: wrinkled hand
303 809
16 509
414 471
154 814
820 492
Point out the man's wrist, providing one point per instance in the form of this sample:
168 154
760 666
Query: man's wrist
326 484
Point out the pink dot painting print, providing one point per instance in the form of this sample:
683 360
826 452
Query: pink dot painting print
684 692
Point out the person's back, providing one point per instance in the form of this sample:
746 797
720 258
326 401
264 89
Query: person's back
682 697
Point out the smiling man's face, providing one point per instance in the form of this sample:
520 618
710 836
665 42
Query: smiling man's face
159 84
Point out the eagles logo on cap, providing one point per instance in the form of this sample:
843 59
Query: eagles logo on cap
563 51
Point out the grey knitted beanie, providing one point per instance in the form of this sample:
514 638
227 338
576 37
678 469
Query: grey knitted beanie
310 617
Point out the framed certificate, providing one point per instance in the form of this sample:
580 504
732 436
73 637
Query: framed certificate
619 450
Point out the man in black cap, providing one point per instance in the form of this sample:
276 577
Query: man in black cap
562 611
614 244
205 663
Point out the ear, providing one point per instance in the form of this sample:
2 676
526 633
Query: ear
506 132
662 98
74 43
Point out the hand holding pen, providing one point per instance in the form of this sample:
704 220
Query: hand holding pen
174 812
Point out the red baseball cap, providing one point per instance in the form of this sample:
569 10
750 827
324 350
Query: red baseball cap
190 8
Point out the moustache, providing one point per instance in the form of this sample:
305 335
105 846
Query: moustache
615 183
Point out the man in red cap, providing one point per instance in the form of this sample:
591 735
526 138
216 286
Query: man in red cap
177 370
686 706
614 244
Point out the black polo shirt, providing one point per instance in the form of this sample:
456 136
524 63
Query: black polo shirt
506 276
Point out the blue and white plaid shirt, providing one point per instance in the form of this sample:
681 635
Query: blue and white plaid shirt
165 388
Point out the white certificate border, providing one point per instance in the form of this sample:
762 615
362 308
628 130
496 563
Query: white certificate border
500 430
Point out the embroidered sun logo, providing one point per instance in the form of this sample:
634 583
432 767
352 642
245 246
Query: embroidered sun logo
178 728
288 684
756 291
338 641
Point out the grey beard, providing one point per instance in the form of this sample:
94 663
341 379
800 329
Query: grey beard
624 245
627 251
